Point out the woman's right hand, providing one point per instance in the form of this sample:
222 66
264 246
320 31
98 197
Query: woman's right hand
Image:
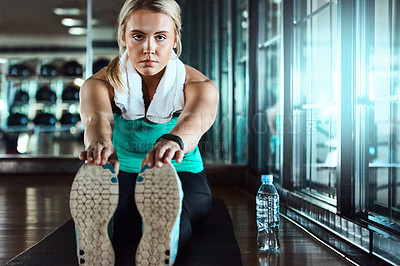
101 152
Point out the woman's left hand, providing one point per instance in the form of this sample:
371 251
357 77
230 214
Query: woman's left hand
163 152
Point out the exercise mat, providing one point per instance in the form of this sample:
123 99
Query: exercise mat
212 244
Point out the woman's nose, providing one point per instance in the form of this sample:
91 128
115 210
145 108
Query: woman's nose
149 47
149 51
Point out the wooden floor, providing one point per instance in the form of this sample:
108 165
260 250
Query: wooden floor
296 246
33 206
30 208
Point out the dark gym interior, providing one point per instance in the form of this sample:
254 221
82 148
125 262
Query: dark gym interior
309 92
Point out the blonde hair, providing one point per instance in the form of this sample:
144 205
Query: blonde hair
168 7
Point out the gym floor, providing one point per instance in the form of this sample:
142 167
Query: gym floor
32 206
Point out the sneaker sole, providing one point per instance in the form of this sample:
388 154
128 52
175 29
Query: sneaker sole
158 199
93 201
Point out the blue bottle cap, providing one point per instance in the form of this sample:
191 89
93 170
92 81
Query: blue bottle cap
267 178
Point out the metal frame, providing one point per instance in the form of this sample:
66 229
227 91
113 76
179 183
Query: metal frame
287 165
254 158
89 40
345 198
240 84
259 97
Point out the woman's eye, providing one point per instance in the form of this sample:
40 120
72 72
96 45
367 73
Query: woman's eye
160 38
137 37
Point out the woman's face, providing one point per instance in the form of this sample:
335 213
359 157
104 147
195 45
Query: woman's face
149 38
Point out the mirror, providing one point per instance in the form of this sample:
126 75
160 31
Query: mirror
43 63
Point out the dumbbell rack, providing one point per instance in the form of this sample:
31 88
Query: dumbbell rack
43 139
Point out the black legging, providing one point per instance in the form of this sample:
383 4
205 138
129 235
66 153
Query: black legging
196 206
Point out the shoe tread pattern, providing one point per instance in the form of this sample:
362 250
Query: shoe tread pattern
93 201
158 200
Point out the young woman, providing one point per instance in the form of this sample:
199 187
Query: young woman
145 112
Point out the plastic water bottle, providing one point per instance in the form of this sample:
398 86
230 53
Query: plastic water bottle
267 204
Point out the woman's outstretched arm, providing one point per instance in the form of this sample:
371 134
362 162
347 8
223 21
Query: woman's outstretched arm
97 117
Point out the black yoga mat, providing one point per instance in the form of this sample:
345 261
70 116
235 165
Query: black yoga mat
212 244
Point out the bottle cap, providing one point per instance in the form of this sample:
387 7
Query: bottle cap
267 178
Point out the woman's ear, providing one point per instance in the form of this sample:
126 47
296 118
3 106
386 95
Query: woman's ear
123 39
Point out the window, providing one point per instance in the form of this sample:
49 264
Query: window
240 81
344 119
315 98
378 112
266 120
215 42
377 120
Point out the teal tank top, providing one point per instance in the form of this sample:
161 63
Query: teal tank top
133 139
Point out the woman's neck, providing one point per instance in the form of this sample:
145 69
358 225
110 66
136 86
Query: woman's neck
149 86
151 82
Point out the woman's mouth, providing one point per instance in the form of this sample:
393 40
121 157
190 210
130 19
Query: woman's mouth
148 62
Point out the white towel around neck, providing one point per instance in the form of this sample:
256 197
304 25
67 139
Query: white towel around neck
167 100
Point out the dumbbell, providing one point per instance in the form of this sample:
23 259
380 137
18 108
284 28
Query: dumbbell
46 95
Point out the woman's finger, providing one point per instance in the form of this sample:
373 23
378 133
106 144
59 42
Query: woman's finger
143 163
89 155
82 156
97 151
105 155
113 160
178 156
159 156
169 155
150 158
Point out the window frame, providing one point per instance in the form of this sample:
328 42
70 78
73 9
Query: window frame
346 201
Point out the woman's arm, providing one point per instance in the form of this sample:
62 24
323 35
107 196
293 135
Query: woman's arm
198 115
97 117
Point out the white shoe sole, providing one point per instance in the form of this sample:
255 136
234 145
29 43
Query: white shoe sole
158 198
93 201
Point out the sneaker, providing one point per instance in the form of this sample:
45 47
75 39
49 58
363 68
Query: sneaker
158 197
93 201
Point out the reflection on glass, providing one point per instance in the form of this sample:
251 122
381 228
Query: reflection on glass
270 85
240 76
316 99
378 117
223 58
53 62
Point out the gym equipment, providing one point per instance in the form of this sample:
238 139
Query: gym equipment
213 244
72 69
46 95
99 64
20 70
49 70
17 119
21 98
45 119
70 93
69 119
